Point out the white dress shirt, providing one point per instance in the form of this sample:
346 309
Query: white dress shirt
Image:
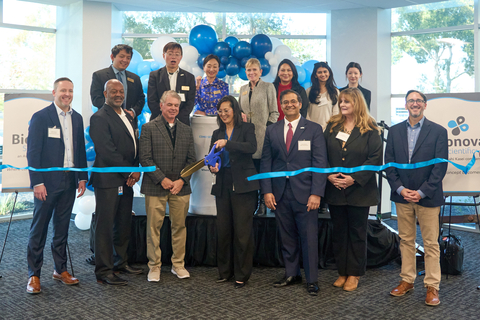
129 127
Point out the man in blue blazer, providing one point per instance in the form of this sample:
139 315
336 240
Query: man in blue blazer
55 139
417 193
291 144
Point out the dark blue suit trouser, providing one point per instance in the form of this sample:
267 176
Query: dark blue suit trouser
299 234
59 203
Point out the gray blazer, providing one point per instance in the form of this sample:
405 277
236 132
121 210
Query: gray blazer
262 108
156 149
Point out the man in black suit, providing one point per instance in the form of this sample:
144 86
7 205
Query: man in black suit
134 98
171 77
115 136
55 139
292 144
418 193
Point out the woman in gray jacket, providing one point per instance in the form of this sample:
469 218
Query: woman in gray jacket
258 101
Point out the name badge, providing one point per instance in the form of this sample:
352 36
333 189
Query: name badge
182 96
185 88
120 190
214 179
54 133
343 136
130 79
217 92
244 93
303 145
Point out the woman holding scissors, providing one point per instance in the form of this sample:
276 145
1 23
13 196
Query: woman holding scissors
235 197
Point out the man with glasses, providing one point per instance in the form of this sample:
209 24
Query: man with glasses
291 144
417 193
171 77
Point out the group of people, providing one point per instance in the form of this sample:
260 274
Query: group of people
321 127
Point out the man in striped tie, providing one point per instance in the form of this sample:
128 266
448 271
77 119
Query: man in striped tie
292 144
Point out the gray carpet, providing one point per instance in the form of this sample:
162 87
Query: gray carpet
201 298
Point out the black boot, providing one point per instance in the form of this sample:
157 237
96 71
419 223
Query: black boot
261 208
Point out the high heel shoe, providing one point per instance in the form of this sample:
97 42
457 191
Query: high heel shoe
351 284
340 281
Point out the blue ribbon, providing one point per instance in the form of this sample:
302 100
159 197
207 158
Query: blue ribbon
278 174
89 169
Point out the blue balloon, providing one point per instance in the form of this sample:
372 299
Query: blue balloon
244 61
94 109
242 75
233 67
142 119
136 57
89 187
146 108
90 150
224 60
132 67
232 41
302 75
200 60
156 65
143 68
242 49
221 67
221 74
222 49
87 134
261 44
203 38
265 66
144 81
309 65
306 85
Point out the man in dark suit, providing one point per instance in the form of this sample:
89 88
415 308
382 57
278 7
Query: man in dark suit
417 193
115 136
167 144
171 77
55 139
291 144
134 98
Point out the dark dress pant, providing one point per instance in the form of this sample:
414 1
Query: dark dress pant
350 239
299 234
235 243
59 204
113 220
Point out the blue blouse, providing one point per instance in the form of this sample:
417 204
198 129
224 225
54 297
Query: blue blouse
209 94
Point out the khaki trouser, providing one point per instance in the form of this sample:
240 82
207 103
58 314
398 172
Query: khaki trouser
428 220
178 209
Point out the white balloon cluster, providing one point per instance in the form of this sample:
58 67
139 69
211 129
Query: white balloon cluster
83 209
274 57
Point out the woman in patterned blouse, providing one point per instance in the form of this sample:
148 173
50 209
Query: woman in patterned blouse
211 89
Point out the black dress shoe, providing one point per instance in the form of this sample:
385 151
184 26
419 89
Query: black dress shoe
312 288
113 279
286 281
221 280
239 285
91 260
129 270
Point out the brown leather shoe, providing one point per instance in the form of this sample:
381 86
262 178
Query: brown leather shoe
340 281
33 286
351 284
401 289
432 297
65 277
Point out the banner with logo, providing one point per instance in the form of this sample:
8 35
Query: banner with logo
18 110
459 114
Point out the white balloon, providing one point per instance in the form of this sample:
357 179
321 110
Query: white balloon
268 78
295 61
157 47
283 52
185 66
185 45
196 71
275 43
82 221
136 190
273 61
268 55
86 205
190 54
273 71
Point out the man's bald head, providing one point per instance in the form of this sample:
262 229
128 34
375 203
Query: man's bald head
114 93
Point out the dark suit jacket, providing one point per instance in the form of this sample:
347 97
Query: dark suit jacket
135 96
114 147
45 152
367 94
158 83
301 91
241 146
156 149
359 150
432 143
276 158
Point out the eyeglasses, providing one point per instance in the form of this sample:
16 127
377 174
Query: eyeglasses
286 102
418 101
170 54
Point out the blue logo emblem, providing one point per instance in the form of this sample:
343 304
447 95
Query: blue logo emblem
458 125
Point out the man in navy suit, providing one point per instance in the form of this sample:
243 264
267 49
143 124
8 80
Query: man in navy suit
55 139
417 193
134 98
291 144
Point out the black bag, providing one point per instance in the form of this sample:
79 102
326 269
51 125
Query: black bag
451 255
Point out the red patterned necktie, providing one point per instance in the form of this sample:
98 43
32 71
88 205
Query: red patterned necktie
289 136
